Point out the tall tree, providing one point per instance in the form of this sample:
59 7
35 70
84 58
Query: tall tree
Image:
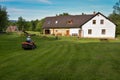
116 8
39 25
115 16
12 23
21 23
63 14
34 24
116 19
3 18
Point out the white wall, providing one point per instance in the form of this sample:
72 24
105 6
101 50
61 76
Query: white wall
59 31
74 31
96 28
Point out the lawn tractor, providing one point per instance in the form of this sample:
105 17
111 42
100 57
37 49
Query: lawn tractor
28 45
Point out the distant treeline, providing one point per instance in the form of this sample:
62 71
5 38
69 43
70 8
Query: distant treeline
34 25
22 24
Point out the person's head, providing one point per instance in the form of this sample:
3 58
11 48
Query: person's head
29 36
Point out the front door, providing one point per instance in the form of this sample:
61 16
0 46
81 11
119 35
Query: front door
67 32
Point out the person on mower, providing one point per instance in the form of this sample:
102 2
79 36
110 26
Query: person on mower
28 39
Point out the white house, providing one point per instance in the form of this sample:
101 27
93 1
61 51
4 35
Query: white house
86 26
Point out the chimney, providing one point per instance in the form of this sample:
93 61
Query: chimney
82 13
94 12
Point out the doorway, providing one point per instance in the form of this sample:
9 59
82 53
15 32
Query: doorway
47 31
80 33
67 32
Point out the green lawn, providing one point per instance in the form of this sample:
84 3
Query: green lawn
68 58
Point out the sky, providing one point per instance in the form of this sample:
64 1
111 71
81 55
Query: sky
38 9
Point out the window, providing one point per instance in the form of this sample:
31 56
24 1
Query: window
94 21
74 34
89 31
103 31
70 22
101 21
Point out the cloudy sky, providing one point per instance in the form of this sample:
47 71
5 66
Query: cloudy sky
38 9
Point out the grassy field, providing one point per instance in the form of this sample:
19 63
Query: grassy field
68 58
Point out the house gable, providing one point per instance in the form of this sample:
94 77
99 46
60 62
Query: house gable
98 18
98 23
97 15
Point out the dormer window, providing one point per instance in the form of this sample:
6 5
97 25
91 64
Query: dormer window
94 21
70 22
102 21
56 22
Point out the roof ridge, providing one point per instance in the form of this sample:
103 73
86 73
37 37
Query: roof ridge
71 15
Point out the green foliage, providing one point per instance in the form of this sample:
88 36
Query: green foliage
115 16
116 8
34 25
63 59
21 23
3 18
12 23
27 25
39 25
63 14
116 19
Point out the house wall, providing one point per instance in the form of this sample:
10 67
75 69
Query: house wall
12 29
61 32
96 28
74 31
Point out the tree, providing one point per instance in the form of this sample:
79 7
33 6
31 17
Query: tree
115 16
116 19
116 8
12 23
21 23
63 14
3 18
33 25
28 26
39 25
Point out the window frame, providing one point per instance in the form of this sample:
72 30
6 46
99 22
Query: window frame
89 31
94 22
103 31
101 21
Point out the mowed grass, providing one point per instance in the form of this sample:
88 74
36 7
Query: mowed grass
63 59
